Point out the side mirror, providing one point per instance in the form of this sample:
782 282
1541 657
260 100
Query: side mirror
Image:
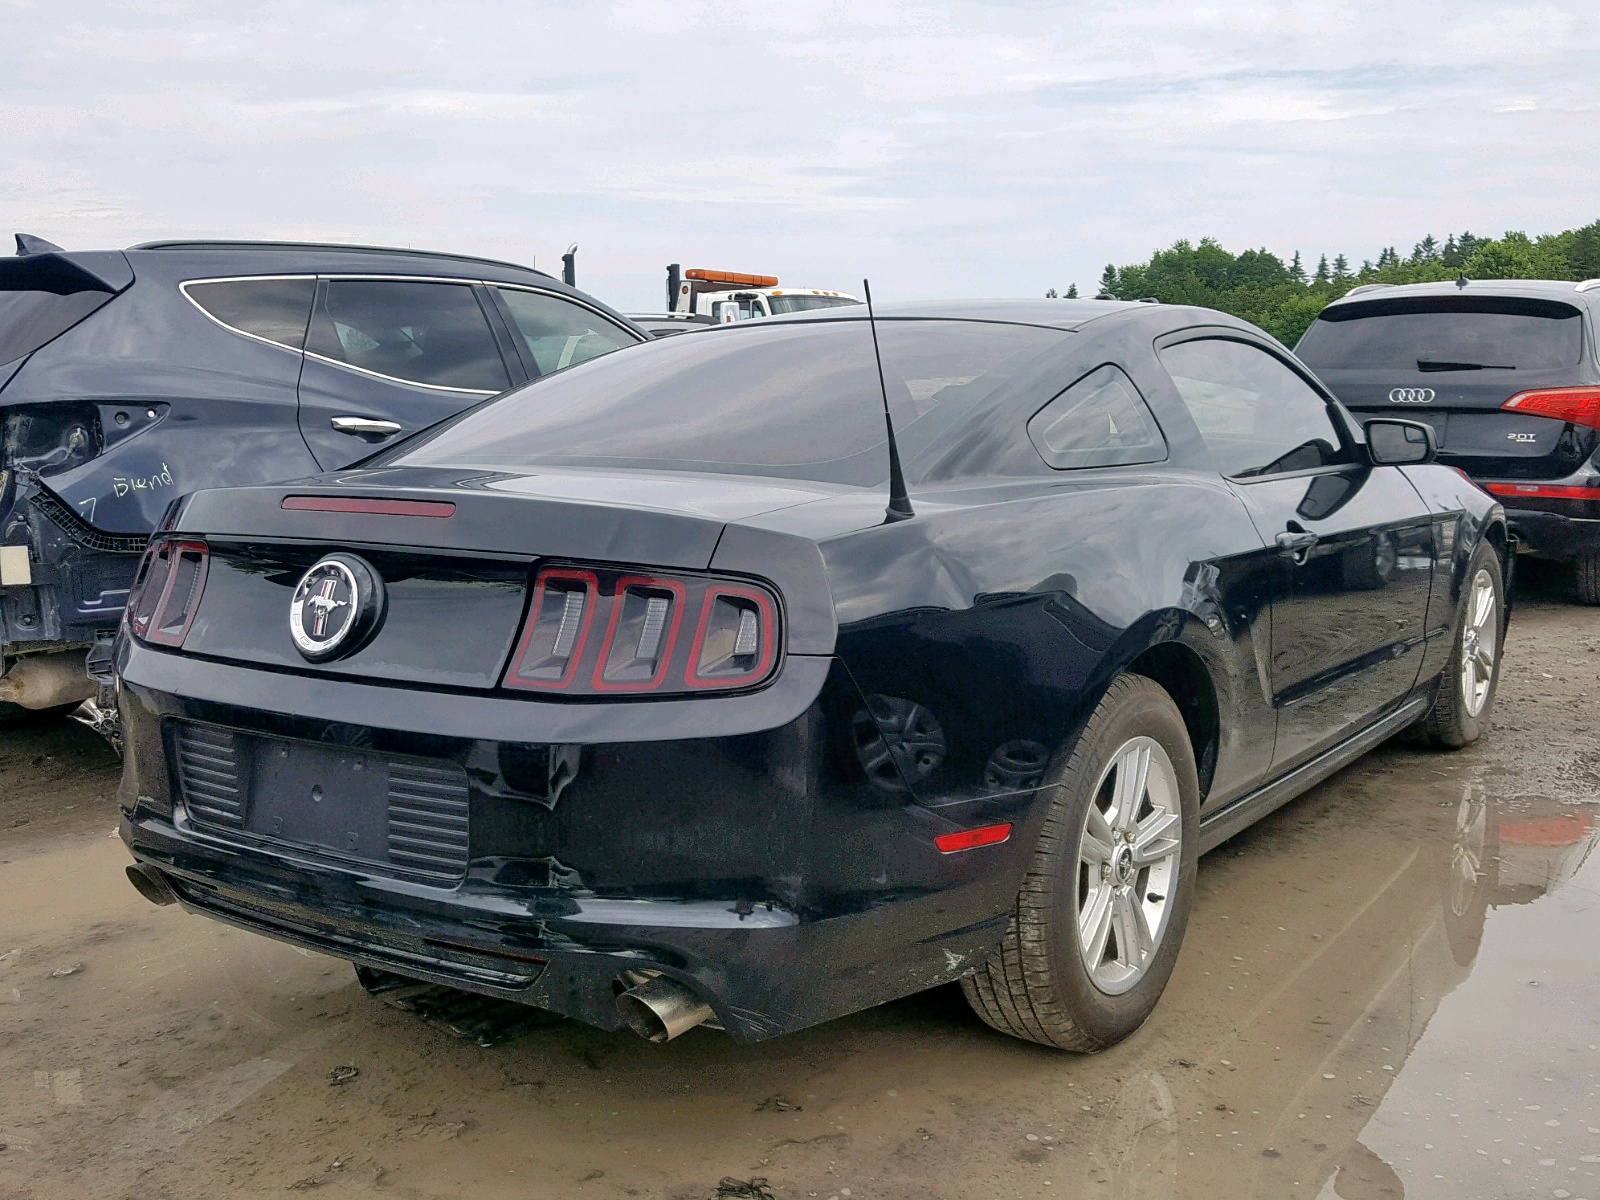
725 312
1392 443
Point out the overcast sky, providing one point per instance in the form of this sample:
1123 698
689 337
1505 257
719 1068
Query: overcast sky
943 149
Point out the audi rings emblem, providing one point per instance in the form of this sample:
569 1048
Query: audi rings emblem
1412 395
336 608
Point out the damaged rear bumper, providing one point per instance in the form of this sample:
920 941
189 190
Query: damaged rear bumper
760 870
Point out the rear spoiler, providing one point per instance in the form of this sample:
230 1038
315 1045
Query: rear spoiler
63 272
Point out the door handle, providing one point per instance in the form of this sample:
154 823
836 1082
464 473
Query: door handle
1295 544
365 426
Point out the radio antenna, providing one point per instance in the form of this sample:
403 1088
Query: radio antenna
899 502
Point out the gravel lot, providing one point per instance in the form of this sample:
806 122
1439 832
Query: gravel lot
1388 989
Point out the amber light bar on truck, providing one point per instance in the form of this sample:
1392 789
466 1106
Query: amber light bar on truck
166 592
595 632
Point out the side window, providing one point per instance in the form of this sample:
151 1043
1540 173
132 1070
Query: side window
428 333
1100 421
1256 415
559 333
273 309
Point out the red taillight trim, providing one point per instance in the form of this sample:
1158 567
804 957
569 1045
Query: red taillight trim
592 601
763 666
175 552
670 640
1579 405
382 508
971 839
1542 491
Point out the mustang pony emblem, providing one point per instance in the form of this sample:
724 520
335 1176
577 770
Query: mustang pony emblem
337 606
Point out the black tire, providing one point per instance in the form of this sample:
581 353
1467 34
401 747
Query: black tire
1451 723
1588 573
1036 986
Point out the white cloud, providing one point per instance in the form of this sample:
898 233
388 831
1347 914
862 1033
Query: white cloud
961 147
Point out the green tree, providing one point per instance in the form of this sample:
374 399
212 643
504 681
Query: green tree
1341 269
1050 295
1296 271
1108 282
1321 278
1072 291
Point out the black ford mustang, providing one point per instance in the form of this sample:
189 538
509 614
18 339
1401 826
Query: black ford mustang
625 697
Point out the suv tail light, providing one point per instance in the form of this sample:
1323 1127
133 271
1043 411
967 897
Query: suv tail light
166 593
593 632
1579 405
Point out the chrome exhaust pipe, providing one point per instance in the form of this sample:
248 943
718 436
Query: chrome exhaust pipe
151 884
658 1010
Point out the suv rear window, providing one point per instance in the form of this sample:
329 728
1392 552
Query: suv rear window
272 309
434 334
1446 333
31 316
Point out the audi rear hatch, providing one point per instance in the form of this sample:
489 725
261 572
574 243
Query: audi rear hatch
1454 362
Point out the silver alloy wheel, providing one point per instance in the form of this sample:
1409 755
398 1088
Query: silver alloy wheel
1480 640
1128 856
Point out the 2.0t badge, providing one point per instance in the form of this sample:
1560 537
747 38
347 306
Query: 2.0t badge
337 607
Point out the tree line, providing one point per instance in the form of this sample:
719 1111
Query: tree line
1284 298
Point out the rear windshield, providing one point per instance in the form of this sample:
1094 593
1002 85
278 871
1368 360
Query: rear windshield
1448 333
796 401
29 317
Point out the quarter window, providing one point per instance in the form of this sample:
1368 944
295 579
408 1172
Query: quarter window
429 333
1256 415
1099 421
559 334
273 309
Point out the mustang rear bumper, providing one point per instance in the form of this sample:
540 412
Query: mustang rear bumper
760 869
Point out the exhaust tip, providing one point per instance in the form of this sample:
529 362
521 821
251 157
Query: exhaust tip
151 884
659 1009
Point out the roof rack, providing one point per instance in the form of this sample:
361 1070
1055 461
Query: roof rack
1589 285
1367 287
341 247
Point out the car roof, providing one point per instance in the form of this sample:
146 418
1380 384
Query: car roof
179 261
1047 314
1537 289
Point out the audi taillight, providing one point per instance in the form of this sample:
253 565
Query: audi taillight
597 632
166 592
1579 405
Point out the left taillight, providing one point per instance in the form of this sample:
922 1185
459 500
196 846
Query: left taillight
166 592
595 632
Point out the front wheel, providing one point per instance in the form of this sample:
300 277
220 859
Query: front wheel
1104 906
1460 713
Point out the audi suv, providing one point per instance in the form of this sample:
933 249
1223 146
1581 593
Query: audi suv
129 377
1506 374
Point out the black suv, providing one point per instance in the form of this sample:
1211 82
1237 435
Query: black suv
128 377
1506 372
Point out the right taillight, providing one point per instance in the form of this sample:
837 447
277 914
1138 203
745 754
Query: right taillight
1579 405
166 592
593 632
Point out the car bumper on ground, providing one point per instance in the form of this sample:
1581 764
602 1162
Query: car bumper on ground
758 870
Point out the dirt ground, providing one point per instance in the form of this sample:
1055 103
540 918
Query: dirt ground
1388 989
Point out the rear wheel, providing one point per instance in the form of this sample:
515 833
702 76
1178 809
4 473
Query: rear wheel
1588 572
1104 906
1460 713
